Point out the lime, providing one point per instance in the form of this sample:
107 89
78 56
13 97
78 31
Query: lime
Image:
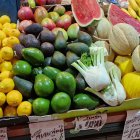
22 68
41 106
61 102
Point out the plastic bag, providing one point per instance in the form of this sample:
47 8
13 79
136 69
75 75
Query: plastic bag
10 8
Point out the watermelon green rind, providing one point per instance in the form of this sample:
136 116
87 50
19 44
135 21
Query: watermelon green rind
90 10
116 15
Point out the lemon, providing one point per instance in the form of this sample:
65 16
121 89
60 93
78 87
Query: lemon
2 98
7 53
10 111
14 32
5 42
1 26
5 74
25 108
2 35
7 85
1 112
14 98
6 31
13 25
5 19
0 43
13 41
7 25
5 66
1 59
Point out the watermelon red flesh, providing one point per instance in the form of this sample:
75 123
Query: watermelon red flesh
86 11
116 15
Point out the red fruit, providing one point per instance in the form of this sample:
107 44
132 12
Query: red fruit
41 2
48 23
25 13
64 22
69 13
53 1
23 24
40 13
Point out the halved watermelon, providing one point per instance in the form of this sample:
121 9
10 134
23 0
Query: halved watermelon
86 11
116 15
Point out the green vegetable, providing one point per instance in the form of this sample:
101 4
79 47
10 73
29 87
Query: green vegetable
93 69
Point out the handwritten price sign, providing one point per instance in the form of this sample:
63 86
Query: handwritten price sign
3 133
50 130
95 122
132 125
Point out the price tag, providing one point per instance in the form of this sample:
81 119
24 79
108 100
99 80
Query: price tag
50 130
95 122
132 126
65 2
3 133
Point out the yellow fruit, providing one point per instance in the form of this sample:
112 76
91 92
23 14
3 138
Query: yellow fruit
1 112
7 53
1 26
10 111
12 41
14 32
25 108
132 12
14 98
138 2
13 25
5 74
7 25
125 64
2 35
5 66
7 85
5 19
134 5
1 59
5 42
2 98
6 31
124 10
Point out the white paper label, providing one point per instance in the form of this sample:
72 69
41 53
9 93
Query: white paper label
65 2
40 118
3 133
50 130
95 122
132 125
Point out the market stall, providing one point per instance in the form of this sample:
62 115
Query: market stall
70 70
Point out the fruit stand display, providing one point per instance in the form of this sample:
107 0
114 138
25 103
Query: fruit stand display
60 62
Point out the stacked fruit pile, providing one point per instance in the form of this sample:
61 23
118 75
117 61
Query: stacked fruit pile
133 9
58 66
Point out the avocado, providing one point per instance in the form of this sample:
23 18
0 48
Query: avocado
47 36
84 37
17 48
60 42
43 85
80 83
34 29
51 72
47 61
66 82
33 55
82 100
71 57
72 71
47 49
78 48
58 59
25 38
23 86
36 71
32 43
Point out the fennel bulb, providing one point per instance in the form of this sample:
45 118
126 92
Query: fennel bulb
114 94
93 69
